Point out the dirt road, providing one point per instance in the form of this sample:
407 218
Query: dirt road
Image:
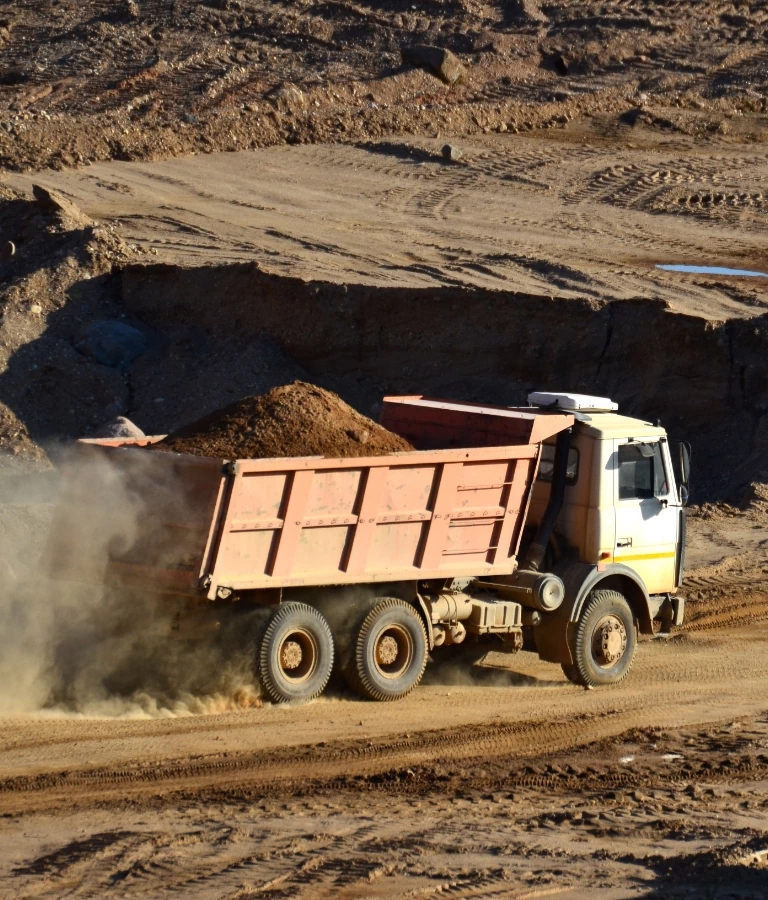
528 786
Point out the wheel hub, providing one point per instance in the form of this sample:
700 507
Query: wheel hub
386 652
609 641
393 651
298 656
291 655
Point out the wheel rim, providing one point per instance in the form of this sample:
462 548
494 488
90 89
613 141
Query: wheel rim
297 656
609 641
393 651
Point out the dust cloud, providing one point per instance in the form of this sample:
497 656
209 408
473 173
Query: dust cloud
69 645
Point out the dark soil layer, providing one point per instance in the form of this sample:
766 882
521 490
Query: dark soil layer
296 419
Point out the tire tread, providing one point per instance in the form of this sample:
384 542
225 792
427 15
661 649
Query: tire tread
579 670
357 675
272 690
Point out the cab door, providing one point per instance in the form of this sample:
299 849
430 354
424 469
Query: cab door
647 512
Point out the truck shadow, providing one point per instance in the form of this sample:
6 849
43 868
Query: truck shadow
467 666
701 877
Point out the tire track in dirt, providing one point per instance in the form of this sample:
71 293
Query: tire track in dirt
474 838
577 216
676 681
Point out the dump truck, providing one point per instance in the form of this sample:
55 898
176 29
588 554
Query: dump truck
557 528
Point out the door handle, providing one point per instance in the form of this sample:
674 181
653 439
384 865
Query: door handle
624 542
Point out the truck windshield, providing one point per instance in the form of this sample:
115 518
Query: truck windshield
641 472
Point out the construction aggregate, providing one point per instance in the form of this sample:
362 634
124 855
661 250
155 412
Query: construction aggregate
296 419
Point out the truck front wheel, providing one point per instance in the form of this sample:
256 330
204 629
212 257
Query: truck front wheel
295 654
604 641
390 652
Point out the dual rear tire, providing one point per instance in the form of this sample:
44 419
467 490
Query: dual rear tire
384 658
389 653
295 654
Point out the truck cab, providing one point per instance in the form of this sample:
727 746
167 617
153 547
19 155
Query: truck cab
622 522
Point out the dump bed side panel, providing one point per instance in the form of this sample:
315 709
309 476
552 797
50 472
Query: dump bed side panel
430 424
136 517
317 521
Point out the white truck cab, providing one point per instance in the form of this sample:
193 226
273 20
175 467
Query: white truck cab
621 527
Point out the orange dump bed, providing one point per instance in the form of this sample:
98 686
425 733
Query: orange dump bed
455 506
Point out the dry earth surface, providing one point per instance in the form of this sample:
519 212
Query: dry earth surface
135 79
519 785
575 214
592 141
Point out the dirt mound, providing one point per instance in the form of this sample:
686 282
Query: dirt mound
296 419
54 278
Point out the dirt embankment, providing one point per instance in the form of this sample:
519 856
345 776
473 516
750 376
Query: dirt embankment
84 339
703 380
142 79
296 419
55 267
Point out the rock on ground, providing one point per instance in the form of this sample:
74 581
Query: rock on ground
528 10
53 201
114 344
439 61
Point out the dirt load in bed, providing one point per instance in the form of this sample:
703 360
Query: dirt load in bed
297 419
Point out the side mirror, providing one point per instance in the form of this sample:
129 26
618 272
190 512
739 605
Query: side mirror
685 471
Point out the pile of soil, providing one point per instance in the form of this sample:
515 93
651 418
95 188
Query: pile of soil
297 419
55 271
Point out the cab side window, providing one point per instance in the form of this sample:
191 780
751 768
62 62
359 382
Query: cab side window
547 464
641 472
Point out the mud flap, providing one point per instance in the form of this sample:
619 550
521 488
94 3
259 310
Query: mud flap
551 635
671 613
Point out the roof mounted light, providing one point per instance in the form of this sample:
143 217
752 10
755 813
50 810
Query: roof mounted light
572 402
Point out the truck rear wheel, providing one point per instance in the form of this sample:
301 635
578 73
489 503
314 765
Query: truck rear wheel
390 652
604 641
295 654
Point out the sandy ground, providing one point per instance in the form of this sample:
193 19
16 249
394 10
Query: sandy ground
573 214
518 785
598 139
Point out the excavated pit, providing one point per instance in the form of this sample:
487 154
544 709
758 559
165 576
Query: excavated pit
185 341
705 381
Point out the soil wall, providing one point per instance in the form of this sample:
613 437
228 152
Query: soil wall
705 381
